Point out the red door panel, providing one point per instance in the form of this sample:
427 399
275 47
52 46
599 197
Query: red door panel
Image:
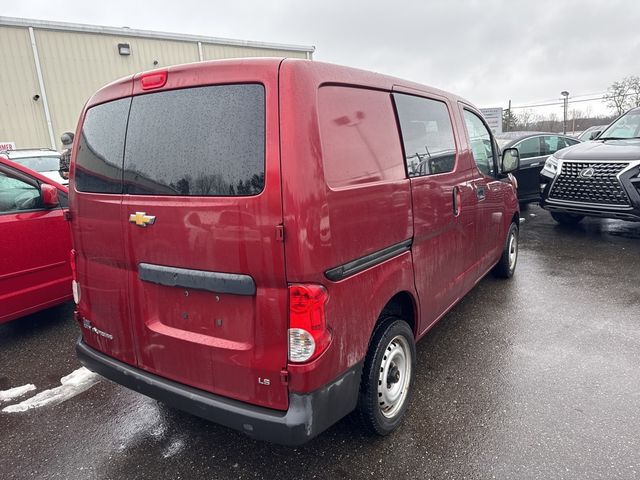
99 267
34 262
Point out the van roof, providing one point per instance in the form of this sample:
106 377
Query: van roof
328 71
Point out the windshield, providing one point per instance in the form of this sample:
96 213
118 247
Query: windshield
40 164
503 141
627 126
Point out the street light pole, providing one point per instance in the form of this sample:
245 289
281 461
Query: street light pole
565 94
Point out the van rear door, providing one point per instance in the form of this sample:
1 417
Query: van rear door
205 263
95 197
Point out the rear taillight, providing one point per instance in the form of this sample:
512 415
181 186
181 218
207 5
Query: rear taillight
309 335
75 286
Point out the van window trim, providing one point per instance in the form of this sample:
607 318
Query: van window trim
470 109
435 98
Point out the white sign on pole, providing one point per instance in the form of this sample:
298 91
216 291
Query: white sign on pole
7 146
493 116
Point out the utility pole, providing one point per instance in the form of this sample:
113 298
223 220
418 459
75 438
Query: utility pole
565 94
509 116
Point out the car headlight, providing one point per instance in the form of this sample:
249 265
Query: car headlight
550 166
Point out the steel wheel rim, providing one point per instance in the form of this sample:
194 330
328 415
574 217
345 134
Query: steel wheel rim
513 250
394 376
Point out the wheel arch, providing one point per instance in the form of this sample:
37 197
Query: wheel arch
516 219
404 305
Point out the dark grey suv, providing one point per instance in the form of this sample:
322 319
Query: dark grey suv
599 178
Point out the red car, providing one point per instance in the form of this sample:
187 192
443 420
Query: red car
35 270
261 242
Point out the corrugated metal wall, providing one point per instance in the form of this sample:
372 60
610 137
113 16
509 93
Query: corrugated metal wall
22 118
214 52
74 65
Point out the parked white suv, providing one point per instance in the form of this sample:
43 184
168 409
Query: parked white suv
42 160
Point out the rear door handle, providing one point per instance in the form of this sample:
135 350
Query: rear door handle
480 192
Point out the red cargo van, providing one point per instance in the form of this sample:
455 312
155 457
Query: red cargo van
261 242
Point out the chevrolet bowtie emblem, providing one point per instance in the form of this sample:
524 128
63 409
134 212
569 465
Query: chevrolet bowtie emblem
142 219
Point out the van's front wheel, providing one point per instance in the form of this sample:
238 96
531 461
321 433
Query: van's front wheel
388 376
507 264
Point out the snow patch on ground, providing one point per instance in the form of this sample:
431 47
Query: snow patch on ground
73 384
6 395
174 447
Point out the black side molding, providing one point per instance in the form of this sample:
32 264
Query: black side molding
216 282
359 264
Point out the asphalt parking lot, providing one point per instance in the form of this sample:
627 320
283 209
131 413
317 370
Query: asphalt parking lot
537 377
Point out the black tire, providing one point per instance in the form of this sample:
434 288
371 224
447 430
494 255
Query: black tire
567 218
392 340
509 259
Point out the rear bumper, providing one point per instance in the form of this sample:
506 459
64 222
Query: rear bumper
308 414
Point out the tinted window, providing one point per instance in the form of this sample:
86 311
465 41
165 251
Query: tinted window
480 142
360 143
99 157
553 143
17 195
529 147
197 141
427 135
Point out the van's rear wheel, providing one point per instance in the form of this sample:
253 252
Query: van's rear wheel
507 264
388 376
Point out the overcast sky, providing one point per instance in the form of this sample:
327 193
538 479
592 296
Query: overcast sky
488 51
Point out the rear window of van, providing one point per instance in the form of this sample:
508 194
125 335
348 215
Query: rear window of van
204 141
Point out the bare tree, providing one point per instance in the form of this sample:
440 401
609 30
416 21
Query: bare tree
616 96
526 118
588 111
634 91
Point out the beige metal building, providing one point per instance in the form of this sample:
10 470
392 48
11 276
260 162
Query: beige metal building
49 69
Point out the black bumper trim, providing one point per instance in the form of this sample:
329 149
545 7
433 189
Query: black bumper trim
216 282
308 414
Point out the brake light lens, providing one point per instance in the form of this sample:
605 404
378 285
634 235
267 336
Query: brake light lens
153 80
309 335
75 286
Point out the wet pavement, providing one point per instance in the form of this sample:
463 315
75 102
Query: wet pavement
536 377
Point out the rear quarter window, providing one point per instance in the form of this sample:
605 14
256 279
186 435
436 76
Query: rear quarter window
359 136
204 141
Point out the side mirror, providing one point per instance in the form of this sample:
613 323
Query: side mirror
49 195
593 135
510 160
